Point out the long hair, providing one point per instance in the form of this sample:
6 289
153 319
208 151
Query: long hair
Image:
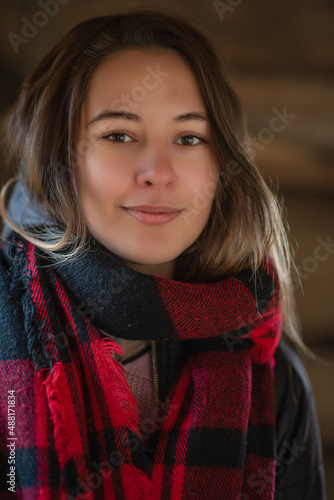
247 221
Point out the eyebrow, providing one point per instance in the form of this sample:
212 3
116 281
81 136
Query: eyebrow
110 114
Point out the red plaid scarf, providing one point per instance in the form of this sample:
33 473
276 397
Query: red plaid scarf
78 434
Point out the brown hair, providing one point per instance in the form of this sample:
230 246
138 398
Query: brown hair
247 220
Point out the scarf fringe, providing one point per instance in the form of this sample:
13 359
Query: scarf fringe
121 387
136 482
53 389
21 275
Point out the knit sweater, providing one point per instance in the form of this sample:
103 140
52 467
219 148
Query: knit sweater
139 375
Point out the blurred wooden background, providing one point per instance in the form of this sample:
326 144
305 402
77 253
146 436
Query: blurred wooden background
280 57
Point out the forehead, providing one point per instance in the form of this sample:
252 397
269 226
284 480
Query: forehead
139 80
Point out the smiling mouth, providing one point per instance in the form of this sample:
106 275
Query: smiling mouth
152 215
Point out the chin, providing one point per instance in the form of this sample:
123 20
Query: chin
146 254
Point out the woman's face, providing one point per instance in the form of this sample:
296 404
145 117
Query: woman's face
146 179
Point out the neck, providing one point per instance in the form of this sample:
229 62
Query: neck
164 270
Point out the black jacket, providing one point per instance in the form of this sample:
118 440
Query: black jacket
300 471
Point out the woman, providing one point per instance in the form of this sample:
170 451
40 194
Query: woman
146 282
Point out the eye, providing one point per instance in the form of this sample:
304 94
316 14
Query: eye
117 135
192 137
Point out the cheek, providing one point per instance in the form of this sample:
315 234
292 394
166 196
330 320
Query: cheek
100 178
203 188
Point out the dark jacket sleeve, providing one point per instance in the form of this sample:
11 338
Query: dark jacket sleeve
300 471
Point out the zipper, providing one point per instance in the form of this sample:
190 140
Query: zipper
155 375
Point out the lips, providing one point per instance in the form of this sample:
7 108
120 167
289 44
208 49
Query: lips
153 209
152 215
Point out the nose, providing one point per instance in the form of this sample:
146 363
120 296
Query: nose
155 168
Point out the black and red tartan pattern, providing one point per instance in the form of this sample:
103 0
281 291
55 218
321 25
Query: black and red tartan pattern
78 432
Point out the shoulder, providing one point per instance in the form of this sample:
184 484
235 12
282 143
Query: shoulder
4 271
5 288
299 451
13 344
